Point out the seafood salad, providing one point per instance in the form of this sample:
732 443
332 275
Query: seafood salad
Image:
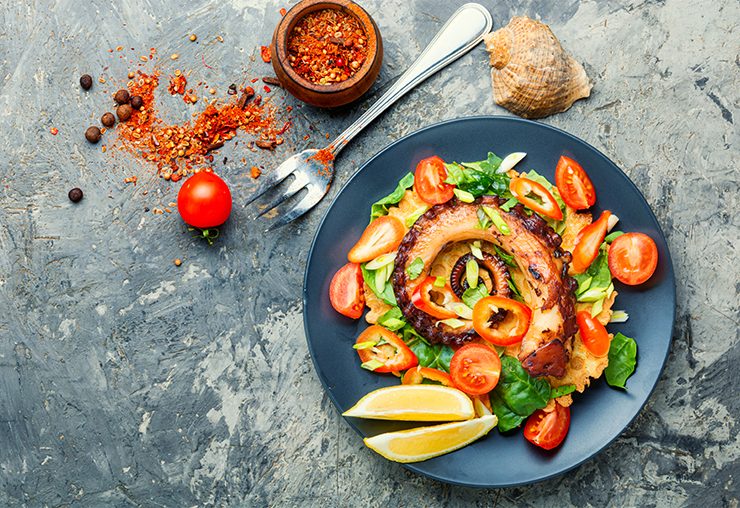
488 292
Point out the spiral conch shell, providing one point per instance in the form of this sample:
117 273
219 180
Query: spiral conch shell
533 76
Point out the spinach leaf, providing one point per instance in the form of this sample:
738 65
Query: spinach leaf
387 294
479 178
507 419
471 295
415 267
562 390
393 319
622 360
517 395
436 356
380 207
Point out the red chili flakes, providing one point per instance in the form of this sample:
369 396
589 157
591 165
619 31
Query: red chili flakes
327 46
255 172
130 179
54 131
178 83
283 12
325 158
267 89
181 149
265 54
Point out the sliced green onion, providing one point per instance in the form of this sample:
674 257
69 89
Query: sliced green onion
471 273
440 282
583 285
464 196
509 204
364 345
411 219
483 221
394 324
619 316
613 236
380 279
381 261
497 220
388 271
611 222
597 307
514 289
510 161
475 250
452 323
372 364
610 290
592 295
462 310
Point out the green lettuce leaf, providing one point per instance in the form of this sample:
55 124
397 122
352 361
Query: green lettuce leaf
380 207
517 393
622 360
471 295
387 294
479 178
415 267
598 272
393 319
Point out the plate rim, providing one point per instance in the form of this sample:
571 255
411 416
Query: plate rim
506 118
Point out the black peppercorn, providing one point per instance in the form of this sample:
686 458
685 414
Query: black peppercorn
121 96
124 112
86 81
108 119
137 102
92 134
75 195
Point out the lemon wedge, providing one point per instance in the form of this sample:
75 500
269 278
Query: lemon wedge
426 442
416 403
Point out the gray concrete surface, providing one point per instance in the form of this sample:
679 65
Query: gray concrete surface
127 381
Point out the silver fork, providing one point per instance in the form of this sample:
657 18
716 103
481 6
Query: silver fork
463 31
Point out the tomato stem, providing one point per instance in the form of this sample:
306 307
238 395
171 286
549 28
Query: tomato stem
209 234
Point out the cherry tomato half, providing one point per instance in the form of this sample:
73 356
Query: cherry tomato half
386 347
381 236
475 369
429 181
204 200
588 241
535 196
574 185
593 334
418 375
501 321
548 430
633 258
346 292
434 300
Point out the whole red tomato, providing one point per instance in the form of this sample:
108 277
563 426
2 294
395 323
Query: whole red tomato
204 200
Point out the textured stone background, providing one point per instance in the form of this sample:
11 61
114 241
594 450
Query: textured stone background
127 381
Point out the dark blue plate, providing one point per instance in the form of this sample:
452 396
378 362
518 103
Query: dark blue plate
599 414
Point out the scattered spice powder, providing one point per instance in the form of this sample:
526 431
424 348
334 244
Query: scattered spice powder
178 83
327 46
180 149
324 157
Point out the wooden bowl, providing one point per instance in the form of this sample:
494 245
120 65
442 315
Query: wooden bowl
335 94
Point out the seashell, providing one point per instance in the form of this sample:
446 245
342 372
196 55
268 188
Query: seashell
533 76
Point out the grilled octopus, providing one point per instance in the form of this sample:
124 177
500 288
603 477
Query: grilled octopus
536 250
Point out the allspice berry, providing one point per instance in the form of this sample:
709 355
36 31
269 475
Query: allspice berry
86 81
124 112
108 119
92 134
121 96
75 195
137 102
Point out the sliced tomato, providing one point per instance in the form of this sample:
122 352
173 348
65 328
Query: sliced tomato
593 334
535 196
429 181
381 236
574 185
345 291
633 258
548 430
475 369
588 241
419 374
501 321
386 348
434 300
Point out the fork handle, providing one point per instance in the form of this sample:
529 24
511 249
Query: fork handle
462 32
